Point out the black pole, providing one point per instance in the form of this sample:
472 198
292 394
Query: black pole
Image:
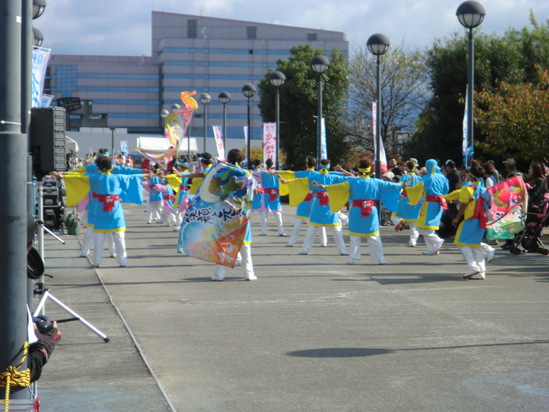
205 127
470 88
13 210
224 127
277 108
248 155
319 121
378 121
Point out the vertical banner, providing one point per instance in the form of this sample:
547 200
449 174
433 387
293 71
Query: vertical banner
382 154
40 59
245 136
269 141
374 128
218 135
465 137
323 145
124 147
382 157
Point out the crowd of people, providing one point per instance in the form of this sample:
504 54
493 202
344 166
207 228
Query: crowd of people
436 202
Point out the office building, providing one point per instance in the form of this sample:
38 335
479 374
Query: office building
206 54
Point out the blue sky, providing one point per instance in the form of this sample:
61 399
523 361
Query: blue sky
123 27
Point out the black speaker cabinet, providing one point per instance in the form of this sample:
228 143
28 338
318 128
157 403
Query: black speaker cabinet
47 140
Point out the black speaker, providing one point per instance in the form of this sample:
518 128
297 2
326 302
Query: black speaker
47 140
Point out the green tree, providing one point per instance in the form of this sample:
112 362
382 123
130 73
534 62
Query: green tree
298 105
515 119
511 59
404 90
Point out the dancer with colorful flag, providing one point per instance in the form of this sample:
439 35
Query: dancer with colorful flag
216 226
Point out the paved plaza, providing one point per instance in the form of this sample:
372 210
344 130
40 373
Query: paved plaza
311 334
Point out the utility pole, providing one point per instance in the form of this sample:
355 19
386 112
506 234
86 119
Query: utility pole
15 17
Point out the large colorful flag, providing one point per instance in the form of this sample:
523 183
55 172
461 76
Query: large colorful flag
177 123
215 223
382 154
219 144
509 205
269 141
40 59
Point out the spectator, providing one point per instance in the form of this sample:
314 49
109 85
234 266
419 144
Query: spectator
510 169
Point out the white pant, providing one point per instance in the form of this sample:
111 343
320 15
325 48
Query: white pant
119 247
247 265
295 232
375 247
474 256
310 235
414 233
89 240
278 220
169 218
154 211
431 239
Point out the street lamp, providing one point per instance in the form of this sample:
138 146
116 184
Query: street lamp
248 90
205 99
224 98
38 37
38 7
277 79
470 14
319 64
378 44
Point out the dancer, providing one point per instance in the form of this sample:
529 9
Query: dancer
270 198
474 202
108 190
433 186
405 211
321 215
303 211
156 198
363 214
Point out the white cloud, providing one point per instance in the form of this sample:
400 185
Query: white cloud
123 27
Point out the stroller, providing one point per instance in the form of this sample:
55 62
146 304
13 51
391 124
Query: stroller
530 237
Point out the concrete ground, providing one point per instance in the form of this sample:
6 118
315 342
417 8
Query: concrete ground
311 334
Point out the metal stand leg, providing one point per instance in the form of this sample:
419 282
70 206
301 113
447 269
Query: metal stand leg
47 295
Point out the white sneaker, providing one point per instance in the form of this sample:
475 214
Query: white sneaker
431 252
382 262
289 245
216 278
411 244
351 261
252 277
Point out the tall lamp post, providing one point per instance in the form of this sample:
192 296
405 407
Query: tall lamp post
248 90
205 99
470 14
319 64
277 79
378 44
224 98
